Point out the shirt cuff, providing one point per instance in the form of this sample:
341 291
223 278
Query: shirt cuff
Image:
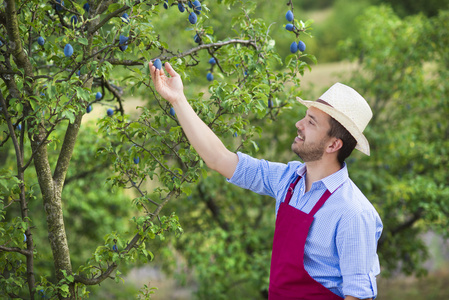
360 286
237 173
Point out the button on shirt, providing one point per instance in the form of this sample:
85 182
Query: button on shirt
340 251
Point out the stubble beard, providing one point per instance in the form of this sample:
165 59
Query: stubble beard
308 153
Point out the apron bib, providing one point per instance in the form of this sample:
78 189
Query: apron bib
289 279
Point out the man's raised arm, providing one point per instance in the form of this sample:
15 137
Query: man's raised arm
201 137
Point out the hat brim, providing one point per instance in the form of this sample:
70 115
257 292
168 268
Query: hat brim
362 142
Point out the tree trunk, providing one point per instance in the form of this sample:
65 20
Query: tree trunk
52 201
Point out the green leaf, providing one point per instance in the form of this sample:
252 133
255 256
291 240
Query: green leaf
64 290
256 147
69 115
83 41
79 58
113 7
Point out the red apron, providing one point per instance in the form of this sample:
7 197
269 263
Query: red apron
288 278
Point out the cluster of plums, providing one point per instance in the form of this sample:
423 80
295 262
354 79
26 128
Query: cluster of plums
68 48
295 46
195 5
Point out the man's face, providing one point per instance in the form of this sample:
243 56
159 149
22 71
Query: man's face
312 138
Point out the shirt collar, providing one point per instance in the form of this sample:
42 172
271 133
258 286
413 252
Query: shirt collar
333 181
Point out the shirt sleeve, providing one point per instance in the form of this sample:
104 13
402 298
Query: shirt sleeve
258 175
357 245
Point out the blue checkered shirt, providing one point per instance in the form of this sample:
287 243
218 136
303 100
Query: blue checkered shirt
340 251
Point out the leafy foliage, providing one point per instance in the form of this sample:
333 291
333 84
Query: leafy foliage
400 71
63 60
229 230
429 8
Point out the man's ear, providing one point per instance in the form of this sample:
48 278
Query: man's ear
334 145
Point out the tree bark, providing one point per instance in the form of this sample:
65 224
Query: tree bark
51 187
22 61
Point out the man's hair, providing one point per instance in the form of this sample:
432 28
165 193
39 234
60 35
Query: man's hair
338 131
349 142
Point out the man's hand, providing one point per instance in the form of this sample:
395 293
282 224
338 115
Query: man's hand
201 137
170 88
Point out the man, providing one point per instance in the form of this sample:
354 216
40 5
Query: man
326 234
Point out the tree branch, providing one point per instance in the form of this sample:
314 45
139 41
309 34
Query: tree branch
403 226
96 280
66 151
21 59
19 156
189 52
132 243
16 249
214 209
408 223
84 174
12 27
107 18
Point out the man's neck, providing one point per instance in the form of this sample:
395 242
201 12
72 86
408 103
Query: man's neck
317 170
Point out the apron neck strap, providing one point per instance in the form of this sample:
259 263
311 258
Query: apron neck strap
291 188
320 202
317 206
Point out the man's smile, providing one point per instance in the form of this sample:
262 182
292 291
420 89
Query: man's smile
299 137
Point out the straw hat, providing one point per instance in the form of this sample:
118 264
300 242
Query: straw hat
349 108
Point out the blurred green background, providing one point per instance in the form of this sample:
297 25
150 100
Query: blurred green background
395 52
337 43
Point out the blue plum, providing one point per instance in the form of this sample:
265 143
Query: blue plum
59 6
301 46
210 76
74 19
68 50
197 38
181 7
157 64
123 42
122 39
289 27
193 18
125 18
197 7
293 47
289 16
86 7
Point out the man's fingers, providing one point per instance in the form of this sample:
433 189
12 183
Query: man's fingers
152 70
155 73
170 70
